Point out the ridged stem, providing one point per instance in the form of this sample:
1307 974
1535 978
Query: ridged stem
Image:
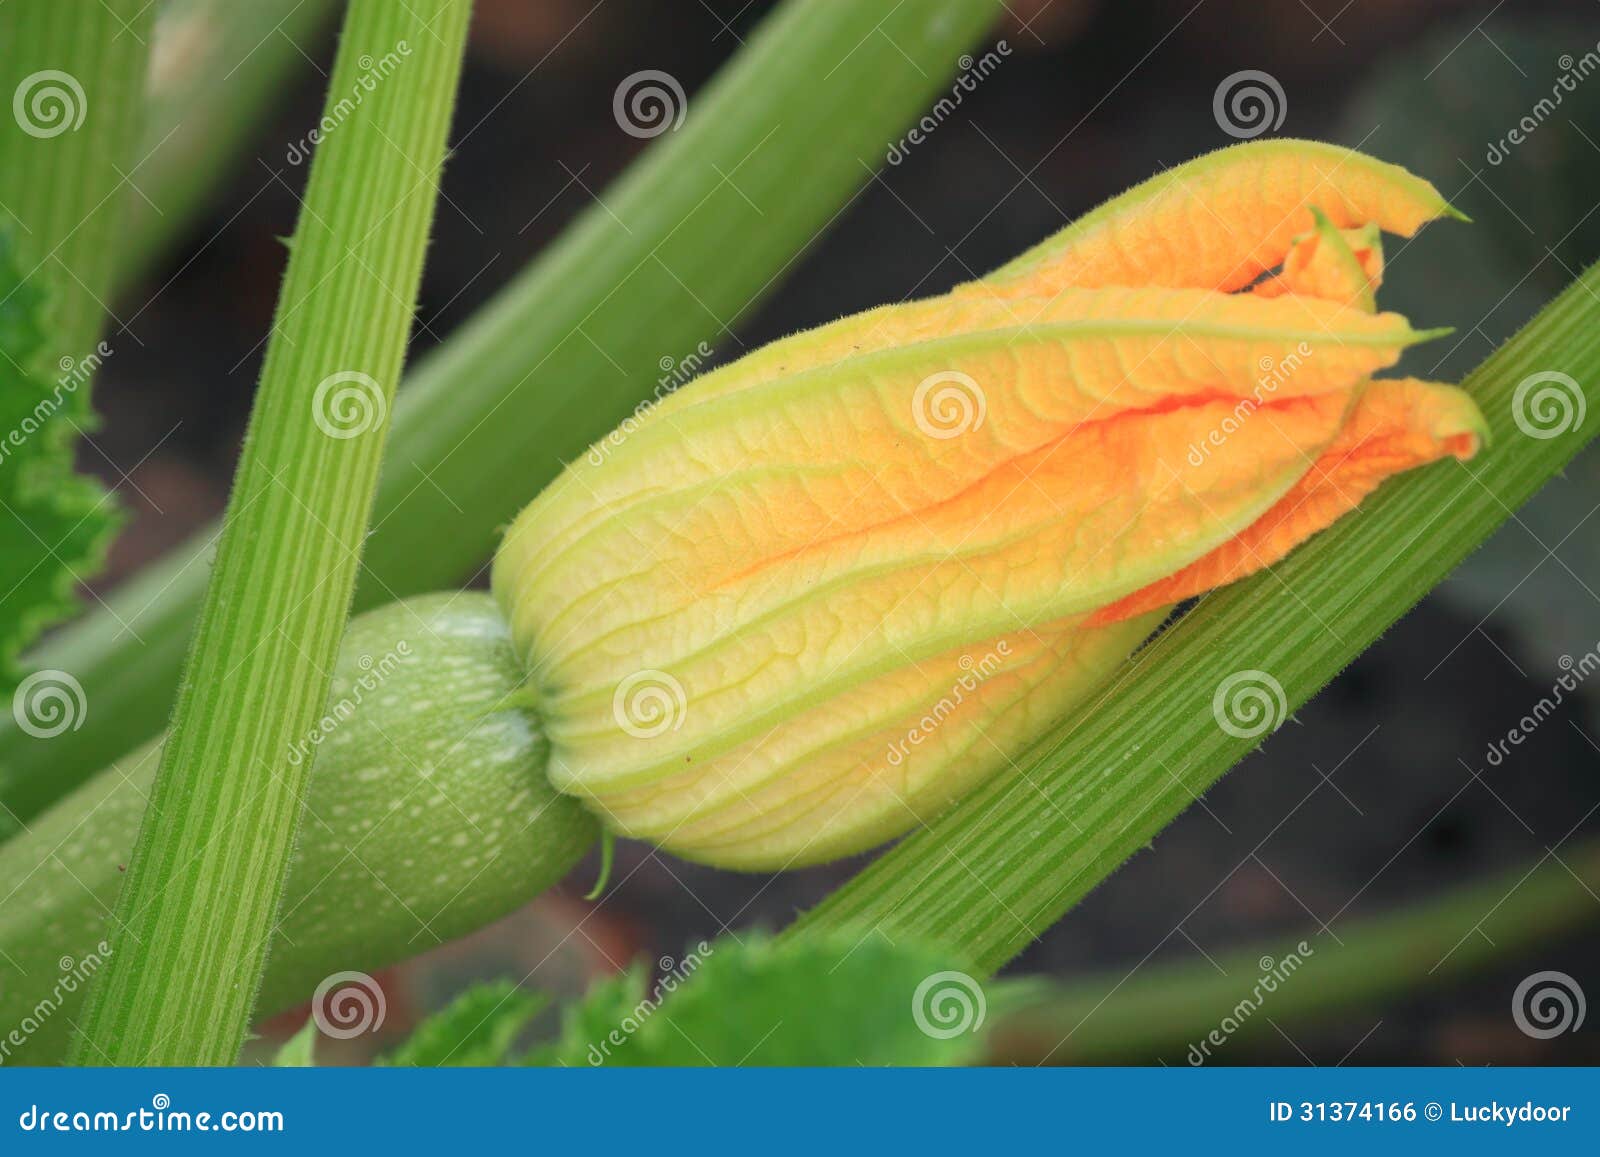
194 918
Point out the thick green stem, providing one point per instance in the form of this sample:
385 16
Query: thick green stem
1169 1012
1003 865
419 826
712 217
193 921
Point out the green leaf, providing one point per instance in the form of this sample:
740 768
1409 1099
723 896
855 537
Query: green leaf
837 1000
1009 860
605 1007
298 1052
478 1028
54 524
73 75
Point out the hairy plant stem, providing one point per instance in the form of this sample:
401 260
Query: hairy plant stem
194 918
1003 865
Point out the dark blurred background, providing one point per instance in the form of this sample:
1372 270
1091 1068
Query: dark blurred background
1379 793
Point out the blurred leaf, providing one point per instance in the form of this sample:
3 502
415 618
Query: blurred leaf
70 153
298 1051
54 524
605 1007
478 1028
1193 1011
839 999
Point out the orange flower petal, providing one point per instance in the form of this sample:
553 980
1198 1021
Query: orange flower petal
1394 426
1339 265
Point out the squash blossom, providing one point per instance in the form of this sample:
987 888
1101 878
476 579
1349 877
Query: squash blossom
819 593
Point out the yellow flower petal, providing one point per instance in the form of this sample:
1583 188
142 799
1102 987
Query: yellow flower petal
809 534
859 769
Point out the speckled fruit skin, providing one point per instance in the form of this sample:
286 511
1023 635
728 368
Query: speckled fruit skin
428 816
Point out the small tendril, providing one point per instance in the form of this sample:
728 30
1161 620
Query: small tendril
608 847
